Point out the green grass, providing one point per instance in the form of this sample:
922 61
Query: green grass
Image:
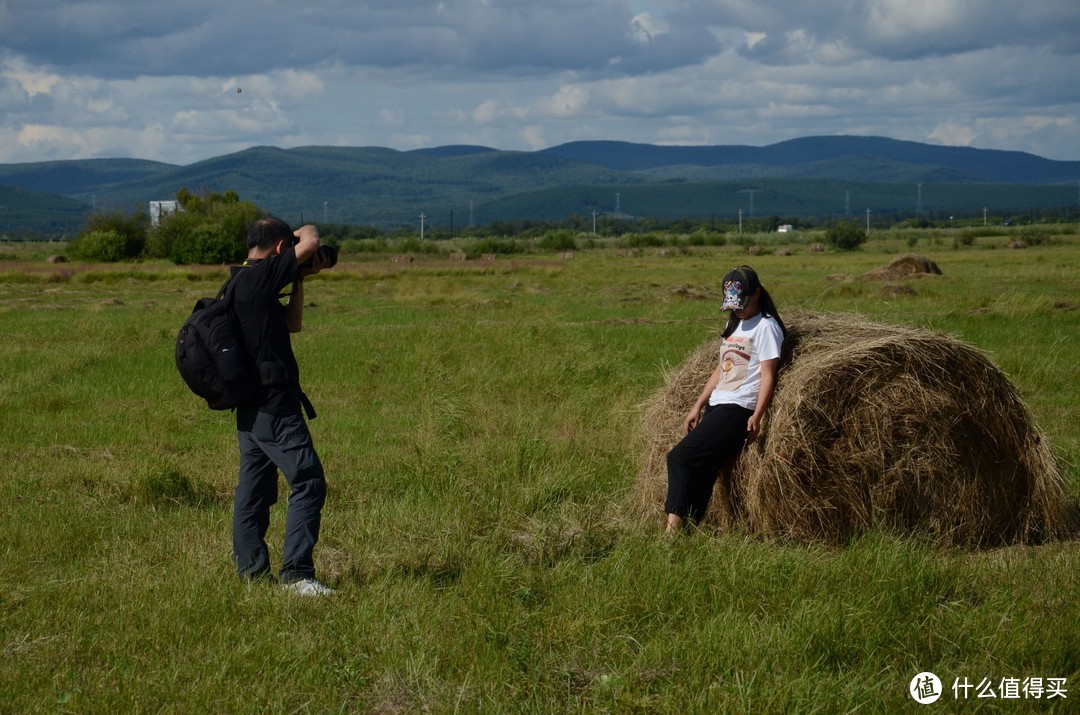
478 427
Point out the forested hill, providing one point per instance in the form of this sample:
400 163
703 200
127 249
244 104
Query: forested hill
811 155
387 187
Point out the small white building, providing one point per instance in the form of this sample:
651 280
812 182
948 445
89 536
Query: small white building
162 208
785 228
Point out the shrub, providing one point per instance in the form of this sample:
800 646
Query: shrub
207 243
111 237
493 245
706 238
210 229
106 246
562 240
643 240
845 235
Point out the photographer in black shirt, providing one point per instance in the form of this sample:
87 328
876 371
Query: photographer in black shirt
272 431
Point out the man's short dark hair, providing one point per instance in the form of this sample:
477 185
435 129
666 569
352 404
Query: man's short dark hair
267 231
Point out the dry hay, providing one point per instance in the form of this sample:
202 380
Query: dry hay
872 426
905 266
895 290
692 292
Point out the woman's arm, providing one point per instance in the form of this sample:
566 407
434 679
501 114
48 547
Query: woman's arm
765 395
694 414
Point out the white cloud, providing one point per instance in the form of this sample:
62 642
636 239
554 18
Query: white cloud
412 141
533 136
124 77
392 117
644 27
486 112
569 101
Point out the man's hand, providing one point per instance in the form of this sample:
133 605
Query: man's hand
307 242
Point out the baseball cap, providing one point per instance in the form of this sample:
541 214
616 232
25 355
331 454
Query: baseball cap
739 285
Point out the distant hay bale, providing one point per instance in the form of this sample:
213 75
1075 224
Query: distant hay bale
692 292
57 259
817 247
872 427
1018 243
903 267
754 250
895 290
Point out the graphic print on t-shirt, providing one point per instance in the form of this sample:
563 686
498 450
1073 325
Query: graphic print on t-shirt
734 362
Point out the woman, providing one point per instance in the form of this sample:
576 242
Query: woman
734 399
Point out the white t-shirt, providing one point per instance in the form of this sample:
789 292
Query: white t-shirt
755 339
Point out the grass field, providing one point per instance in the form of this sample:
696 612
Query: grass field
479 427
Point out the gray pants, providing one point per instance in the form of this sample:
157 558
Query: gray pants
268 443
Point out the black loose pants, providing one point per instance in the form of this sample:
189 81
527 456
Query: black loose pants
695 462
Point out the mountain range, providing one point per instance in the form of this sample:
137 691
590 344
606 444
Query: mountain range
811 176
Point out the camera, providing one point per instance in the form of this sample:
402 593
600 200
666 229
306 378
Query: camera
328 254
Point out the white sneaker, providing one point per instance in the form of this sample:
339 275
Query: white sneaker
309 587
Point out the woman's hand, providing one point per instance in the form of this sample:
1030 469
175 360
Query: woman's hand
692 419
753 428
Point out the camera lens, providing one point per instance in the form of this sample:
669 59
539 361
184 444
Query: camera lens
329 255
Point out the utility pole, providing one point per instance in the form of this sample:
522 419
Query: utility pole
594 222
740 220
324 220
984 215
868 220
422 217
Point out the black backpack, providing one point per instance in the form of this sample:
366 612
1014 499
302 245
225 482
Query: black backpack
212 356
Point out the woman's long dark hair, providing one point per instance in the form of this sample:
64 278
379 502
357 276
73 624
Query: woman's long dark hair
768 309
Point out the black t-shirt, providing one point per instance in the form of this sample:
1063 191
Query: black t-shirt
256 287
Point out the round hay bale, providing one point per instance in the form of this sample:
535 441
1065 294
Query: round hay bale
57 259
904 266
1018 243
872 427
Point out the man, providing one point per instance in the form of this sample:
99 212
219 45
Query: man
272 432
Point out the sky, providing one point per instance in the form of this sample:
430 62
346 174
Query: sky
187 80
